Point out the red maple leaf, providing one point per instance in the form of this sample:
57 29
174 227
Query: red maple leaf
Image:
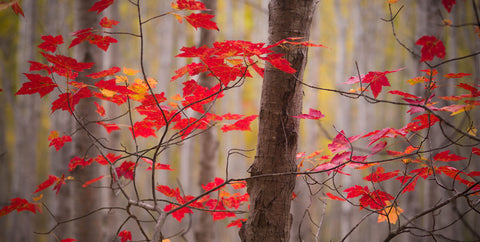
448 4
333 197
143 128
376 200
68 240
87 183
57 141
108 23
100 110
44 185
42 85
125 235
242 124
178 214
456 75
158 165
237 223
101 5
17 9
379 175
50 43
68 101
109 127
356 191
431 47
19 204
37 66
102 42
104 73
412 182
189 5
167 191
100 159
340 142
218 181
377 80
312 114
126 169
201 20
77 161
445 156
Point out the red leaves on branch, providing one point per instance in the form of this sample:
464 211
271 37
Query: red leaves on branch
125 236
102 42
242 124
333 197
446 156
376 80
77 161
188 5
448 4
201 20
57 141
380 175
126 170
431 47
42 85
104 73
101 5
178 214
312 114
108 23
67 101
50 43
19 204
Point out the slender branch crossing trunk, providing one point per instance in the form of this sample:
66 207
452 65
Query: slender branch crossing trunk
269 216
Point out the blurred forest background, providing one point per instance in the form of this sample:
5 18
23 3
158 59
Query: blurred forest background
354 31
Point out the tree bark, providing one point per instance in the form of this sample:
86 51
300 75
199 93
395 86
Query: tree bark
270 197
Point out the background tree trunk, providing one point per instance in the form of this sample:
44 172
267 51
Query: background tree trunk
269 215
26 115
86 198
204 228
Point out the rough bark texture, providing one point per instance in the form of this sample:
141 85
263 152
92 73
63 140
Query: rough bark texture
86 199
27 113
269 216
204 228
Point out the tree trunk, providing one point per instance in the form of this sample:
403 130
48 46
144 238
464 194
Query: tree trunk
27 112
204 227
86 198
269 216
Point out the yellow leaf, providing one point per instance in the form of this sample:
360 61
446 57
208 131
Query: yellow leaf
416 80
107 93
69 178
177 97
173 105
129 71
121 79
447 22
178 17
54 134
38 198
235 61
473 131
152 82
393 212
166 240
392 1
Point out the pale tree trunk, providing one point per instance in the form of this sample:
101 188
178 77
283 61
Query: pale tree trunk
26 114
88 198
427 23
61 203
204 228
270 197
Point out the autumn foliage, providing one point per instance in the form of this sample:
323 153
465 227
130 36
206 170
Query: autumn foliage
392 154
